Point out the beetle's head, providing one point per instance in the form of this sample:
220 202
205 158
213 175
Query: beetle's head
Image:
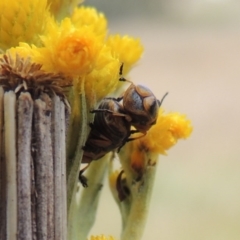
141 104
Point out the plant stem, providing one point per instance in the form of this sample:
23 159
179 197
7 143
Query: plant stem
2 171
42 130
24 114
141 192
59 156
11 163
87 203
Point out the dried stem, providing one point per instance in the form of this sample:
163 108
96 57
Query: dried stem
42 130
2 172
59 155
11 163
24 114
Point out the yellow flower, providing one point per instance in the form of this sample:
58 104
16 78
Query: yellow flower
22 21
163 135
102 237
24 50
127 49
68 50
105 76
88 16
62 8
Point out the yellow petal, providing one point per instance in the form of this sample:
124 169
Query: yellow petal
88 16
127 49
68 50
162 136
105 76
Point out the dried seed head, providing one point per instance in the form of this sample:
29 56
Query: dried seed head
17 73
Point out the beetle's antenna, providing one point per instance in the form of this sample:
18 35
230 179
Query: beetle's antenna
160 102
121 78
121 70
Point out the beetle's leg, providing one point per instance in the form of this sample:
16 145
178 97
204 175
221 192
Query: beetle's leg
121 78
122 189
131 139
116 99
116 114
134 131
83 180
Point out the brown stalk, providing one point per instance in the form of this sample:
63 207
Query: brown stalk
24 134
11 164
59 155
42 131
2 172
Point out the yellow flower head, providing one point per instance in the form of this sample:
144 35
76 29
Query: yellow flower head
105 76
88 16
62 8
68 50
102 237
162 136
127 49
24 50
22 21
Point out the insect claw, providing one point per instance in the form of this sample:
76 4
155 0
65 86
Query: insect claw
122 79
83 180
122 189
119 99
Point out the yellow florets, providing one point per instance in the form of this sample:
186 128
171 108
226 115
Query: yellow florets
62 8
165 134
105 76
22 21
88 16
102 237
127 49
23 50
68 50
77 48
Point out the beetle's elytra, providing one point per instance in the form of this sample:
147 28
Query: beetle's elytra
109 131
111 128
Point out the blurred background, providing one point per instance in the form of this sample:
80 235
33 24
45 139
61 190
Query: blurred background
192 50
